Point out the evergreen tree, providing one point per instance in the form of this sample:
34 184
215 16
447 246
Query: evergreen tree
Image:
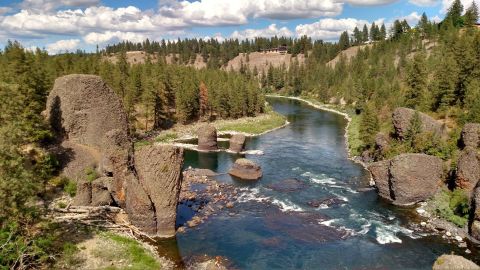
454 14
344 42
369 125
365 33
383 32
204 103
471 15
416 79
446 80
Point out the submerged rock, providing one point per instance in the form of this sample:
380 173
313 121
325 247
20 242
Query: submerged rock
207 138
246 169
287 185
468 170
402 118
471 135
448 262
328 202
237 142
408 178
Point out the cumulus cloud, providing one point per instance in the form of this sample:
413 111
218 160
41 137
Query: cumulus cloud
424 3
370 2
412 18
113 36
329 29
63 46
270 31
49 5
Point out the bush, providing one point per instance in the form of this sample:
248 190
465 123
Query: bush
452 206
91 174
71 188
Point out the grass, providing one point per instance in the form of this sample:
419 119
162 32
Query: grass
91 174
131 251
451 206
139 144
69 186
166 137
255 125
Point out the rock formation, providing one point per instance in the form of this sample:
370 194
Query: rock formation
449 262
207 138
92 127
468 170
402 118
246 169
237 142
407 178
471 135
382 143
475 214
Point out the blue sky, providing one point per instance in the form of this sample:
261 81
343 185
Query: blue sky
61 25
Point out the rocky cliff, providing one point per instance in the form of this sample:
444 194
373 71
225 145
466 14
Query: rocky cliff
97 152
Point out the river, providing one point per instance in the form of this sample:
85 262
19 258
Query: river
271 227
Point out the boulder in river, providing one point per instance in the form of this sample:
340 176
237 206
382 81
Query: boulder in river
288 185
402 119
246 169
468 170
449 262
408 178
471 135
207 138
237 142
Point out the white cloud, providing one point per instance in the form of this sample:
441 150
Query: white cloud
270 31
424 3
412 18
4 10
63 46
49 5
329 29
113 36
370 2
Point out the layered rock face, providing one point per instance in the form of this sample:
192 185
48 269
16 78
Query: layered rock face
471 135
246 169
402 118
407 178
207 138
468 170
449 262
475 208
92 125
237 142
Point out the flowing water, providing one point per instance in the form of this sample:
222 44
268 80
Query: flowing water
273 226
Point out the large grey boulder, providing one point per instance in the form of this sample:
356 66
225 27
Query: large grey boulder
407 178
402 119
468 170
415 177
246 169
92 127
475 208
207 138
471 135
380 174
159 172
454 262
237 142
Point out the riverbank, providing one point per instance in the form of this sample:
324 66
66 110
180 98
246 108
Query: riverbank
249 126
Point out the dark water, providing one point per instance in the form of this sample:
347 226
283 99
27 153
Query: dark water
278 229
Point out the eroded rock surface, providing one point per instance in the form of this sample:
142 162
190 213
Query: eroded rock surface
468 170
92 127
402 118
475 221
449 262
471 135
207 138
408 178
237 142
246 169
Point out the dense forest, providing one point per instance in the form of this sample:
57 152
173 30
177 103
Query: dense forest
432 67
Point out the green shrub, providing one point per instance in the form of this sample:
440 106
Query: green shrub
70 188
452 206
91 174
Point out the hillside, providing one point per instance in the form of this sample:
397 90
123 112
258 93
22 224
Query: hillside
348 54
262 60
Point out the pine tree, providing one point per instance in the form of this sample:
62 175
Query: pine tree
454 14
365 33
416 79
446 80
344 42
369 125
383 32
204 103
471 15
357 36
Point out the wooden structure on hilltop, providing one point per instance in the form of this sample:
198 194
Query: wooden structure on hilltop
280 49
